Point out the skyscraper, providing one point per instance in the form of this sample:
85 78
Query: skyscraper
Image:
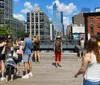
58 21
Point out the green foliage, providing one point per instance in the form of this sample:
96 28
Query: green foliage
4 30
20 33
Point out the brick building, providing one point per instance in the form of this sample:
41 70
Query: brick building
92 24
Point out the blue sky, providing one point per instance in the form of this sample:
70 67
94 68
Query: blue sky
69 7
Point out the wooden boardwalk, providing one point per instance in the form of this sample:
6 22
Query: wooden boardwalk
45 73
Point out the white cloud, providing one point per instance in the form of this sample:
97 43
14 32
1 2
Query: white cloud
19 16
66 22
36 4
50 19
28 7
67 9
25 10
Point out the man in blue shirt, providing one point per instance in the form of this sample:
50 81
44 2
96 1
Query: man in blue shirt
27 56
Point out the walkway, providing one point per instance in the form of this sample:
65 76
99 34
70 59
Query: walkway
45 73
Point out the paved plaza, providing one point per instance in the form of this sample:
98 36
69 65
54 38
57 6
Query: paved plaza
45 73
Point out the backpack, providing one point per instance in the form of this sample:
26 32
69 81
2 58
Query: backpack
58 46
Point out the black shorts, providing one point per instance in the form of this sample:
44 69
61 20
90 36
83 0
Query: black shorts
2 57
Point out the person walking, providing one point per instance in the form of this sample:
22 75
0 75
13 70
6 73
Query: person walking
9 60
27 59
58 51
90 67
2 56
36 45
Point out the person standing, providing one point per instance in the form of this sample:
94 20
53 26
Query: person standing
36 43
58 51
27 56
90 67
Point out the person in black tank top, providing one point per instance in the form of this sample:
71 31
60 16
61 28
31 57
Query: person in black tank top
2 56
36 46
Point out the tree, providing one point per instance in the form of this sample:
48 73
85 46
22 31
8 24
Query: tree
20 33
4 30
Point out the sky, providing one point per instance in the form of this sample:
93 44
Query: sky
69 8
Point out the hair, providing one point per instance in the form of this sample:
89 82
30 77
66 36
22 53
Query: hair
37 39
93 46
26 34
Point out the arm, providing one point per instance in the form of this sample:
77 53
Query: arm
85 62
2 44
61 46
54 47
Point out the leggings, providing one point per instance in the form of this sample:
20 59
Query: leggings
9 69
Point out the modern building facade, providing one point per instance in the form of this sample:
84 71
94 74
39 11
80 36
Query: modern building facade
6 11
92 24
38 24
52 32
58 21
78 19
69 31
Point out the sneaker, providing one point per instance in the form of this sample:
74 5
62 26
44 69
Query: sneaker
25 76
30 74
59 65
3 78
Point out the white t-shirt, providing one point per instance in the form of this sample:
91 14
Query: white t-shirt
92 72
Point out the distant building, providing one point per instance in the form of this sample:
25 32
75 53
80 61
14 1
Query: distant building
92 24
78 19
97 9
85 10
58 20
6 16
69 31
17 24
78 31
38 23
52 32
6 11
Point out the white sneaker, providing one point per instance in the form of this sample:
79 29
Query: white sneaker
30 74
3 78
25 76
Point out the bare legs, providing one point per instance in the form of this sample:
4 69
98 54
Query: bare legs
37 56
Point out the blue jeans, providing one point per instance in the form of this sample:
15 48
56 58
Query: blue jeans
86 82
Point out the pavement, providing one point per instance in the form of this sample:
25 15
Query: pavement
45 72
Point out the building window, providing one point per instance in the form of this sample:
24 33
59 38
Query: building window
91 20
98 25
91 30
36 19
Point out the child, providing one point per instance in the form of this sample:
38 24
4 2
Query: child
9 61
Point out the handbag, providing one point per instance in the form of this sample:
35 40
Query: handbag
15 55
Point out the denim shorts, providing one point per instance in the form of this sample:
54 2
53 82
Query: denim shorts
86 82
27 58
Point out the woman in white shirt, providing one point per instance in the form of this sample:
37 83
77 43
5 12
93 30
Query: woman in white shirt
90 67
